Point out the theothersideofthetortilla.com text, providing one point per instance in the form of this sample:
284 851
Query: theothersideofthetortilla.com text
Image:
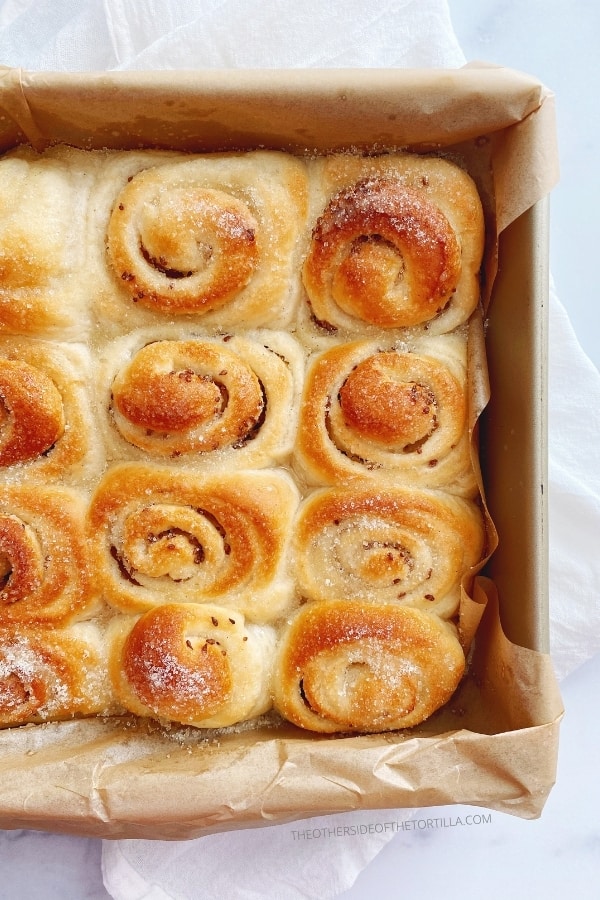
390 826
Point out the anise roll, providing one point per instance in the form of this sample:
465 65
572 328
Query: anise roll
397 244
43 209
214 237
396 413
198 665
46 423
391 544
226 401
44 566
344 667
52 674
159 536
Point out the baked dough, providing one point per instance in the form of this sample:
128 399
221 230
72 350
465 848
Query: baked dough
342 667
198 665
390 544
211 238
395 413
202 401
46 421
162 536
52 674
397 244
236 466
43 209
45 577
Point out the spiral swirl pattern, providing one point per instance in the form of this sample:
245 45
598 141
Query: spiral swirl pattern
45 412
31 412
160 536
44 566
394 413
210 236
404 546
184 251
397 244
226 402
197 665
49 674
343 667
383 254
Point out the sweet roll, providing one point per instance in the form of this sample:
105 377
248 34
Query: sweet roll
46 422
397 244
52 674
344 667
159 536
44 565
226 401
212 237
398 412
198 665
388 544
43 211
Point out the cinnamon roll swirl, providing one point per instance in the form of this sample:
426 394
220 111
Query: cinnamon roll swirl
43 201
44 566
52 674
397 413
343 667
209 236
397 244
46 424
196 665
162 536
396 545
226 401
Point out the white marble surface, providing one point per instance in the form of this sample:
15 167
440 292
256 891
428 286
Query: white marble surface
557 42
559 854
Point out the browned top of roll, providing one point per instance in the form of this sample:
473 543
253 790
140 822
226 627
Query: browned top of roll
171 675
48 674
197 665
197 394
183 248
347 667
44 567
389 253
31 412
159 536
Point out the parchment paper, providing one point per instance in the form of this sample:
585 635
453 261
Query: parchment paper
495 744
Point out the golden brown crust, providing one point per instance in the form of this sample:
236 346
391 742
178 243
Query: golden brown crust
209 238
397 244
43 198
199 246
197 665
46 426
32 411
387 414
158 310
387 544
45 577
48 674
380 667
161 536
225 401
386 254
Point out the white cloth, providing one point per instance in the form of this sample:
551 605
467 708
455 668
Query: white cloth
318 857
574 496
84 35
314 859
